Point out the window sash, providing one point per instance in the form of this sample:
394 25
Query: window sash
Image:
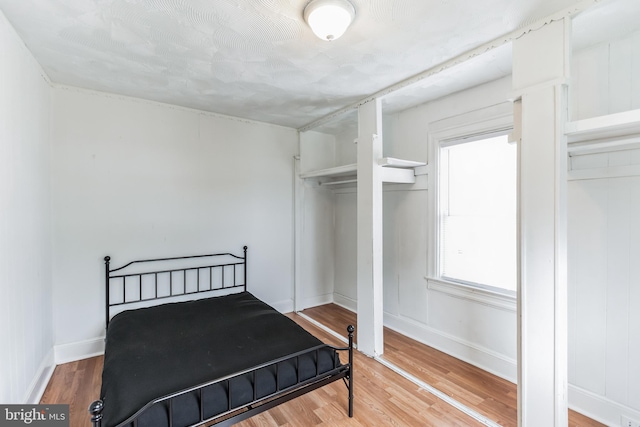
503 283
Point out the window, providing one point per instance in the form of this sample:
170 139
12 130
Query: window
477 212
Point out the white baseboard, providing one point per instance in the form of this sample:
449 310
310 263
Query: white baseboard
345 302
285 306
594 406
599 407
41 379
316 300
65 353
483 358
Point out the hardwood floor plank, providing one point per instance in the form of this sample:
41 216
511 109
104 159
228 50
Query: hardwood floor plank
487 394
76 384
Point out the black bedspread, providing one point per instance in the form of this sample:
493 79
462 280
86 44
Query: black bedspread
153 352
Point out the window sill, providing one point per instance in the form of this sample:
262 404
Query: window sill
487 297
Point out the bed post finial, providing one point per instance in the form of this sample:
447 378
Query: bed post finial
350 330
95 409
245 267
106 284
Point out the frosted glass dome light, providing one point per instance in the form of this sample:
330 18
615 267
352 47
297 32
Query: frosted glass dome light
329 19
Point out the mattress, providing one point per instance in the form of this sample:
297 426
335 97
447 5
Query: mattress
154 352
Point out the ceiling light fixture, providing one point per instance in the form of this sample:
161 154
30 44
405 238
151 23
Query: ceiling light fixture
329 19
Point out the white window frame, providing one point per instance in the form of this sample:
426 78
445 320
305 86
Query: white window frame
468 127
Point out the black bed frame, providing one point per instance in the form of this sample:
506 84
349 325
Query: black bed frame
235 415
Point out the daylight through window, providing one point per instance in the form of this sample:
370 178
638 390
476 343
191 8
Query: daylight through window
478 212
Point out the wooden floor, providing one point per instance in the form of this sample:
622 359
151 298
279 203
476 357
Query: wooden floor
487 394
382 397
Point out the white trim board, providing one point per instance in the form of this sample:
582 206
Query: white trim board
485 359
315 301
474 294
41 379
71 352
442 396
594 406
603 127
604 173
599 408
285 306
345 302
328 330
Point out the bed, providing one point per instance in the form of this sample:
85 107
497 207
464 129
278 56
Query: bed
212 353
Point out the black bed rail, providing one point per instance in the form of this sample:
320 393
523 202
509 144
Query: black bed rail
257 405
170 272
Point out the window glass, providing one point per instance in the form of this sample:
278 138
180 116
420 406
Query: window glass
478 183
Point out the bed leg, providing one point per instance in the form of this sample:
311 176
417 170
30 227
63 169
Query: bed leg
350 330
95 409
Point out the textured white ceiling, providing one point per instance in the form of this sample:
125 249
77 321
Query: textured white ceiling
257 59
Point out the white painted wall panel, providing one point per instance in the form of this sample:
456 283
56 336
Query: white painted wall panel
587 237
590 85
391 255
633 301
618 245
606 78
317 261
589 161
345 248
635 70
621 75
346 148
481 326
407 135
317 151
26 331
405 252
603 245
622 158
136 179
604 275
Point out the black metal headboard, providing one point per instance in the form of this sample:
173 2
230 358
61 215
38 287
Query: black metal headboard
174 277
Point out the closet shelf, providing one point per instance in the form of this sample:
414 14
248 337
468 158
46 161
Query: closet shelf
399 163
339 182
331 172
620 131
394 171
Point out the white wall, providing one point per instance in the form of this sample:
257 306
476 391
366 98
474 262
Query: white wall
604 279
26 331
605 78
315 223
454 323
134 179
603 245
321 237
